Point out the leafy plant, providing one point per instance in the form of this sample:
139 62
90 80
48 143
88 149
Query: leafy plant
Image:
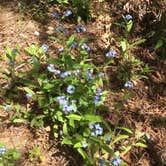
8 156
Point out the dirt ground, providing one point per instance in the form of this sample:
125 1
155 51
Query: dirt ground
146 111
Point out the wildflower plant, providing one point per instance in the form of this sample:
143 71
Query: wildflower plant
67 90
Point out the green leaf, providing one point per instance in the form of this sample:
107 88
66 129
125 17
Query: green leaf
65 131
82 152
78 145
74 117
126 129
93 118
124 45
66 141
29 91
129 25
70 40
19 120
137 43
139 144
159 44
120 137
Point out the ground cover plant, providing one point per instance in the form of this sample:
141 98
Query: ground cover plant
66 89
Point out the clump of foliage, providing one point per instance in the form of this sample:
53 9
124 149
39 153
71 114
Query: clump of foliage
68 92
8 156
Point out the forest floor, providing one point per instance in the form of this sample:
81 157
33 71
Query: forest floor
146 111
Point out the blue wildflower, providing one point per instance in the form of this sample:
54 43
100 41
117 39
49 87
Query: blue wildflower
68 108
15 51
102 163
147 136
61 49
28 96
85 47
96 129
110 54
80 29
68 13
11 63
101 74
56 72
62 100
108 140
45 47
61 30
116 161
74 45
7 107
99 92
89 76
76 72
56 14
128 17
70 89
65 74
2 150
97 99
84 144
128 84
51 68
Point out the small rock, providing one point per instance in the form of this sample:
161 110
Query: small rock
36 33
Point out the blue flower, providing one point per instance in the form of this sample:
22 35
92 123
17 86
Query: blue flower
89 76
45 47
76 72
65 74
96 129
62 100
61 49
102 163
11 63
56 72
68 13
80 29
101 74
108 140
68 108
110 54
28 96
2 150
84 144
116 161
70 89
51 68
15 51
56 14
99 92
147 136
7 107
128 84
97 99
85 47
74 45
128 17
61 30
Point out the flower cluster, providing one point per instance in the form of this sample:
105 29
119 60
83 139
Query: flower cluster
61 30
7 107
96 129
110 54
66 107
2 150
116 161
128 17
52 69
80 29
97 98
88 75
68 13
128 84
74 45
70 89
85 47
45 47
